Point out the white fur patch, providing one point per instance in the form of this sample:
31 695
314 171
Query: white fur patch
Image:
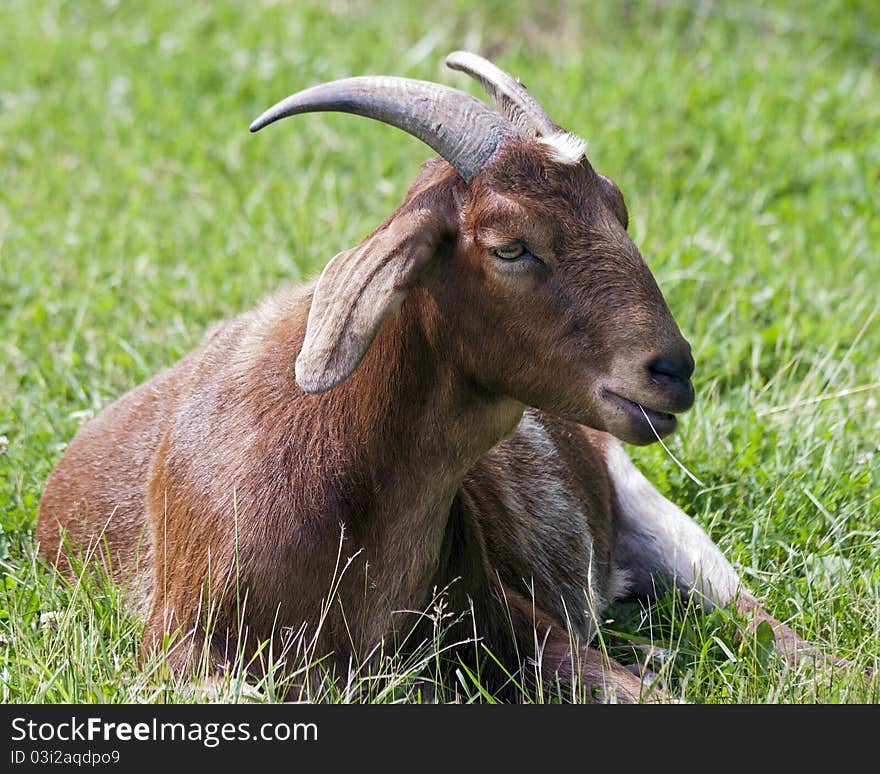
531 429
648 519
619 581
565 148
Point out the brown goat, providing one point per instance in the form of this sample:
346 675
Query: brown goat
227 486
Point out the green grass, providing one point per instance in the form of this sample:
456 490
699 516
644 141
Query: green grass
135 209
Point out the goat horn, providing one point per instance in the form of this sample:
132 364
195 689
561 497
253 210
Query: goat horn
462 129
512 98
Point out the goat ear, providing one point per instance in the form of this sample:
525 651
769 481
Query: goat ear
356 292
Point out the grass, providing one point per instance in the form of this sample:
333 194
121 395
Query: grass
136 209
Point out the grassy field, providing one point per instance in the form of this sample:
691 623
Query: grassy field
135 210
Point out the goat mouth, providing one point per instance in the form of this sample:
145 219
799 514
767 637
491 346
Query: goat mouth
646 419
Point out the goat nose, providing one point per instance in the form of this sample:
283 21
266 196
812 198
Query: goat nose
672 369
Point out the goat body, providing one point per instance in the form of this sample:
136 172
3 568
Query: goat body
321 464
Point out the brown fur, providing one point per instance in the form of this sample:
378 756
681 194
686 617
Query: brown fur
235 489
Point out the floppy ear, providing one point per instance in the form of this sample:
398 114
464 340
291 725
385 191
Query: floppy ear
357 290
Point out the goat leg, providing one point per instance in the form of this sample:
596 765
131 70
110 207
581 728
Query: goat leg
660 546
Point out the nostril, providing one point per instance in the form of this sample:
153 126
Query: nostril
676 368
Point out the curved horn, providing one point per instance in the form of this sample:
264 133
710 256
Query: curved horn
461 128
513 99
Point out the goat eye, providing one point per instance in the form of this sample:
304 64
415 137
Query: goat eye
510 252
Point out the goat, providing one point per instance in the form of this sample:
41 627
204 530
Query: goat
381 411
